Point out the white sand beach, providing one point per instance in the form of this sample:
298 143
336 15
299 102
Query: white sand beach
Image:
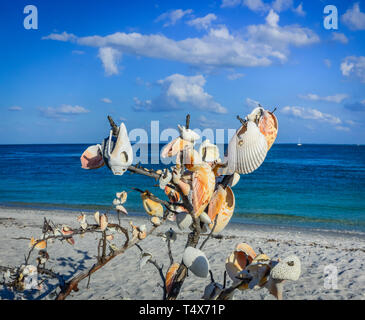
122 279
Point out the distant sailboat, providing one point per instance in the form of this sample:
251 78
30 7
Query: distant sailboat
299 144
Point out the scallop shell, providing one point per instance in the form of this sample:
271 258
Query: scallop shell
221 204
203 185
268 125
170 275
196 261
183 220
92 158
238 260
246 150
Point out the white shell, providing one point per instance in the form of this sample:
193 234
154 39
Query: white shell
205 218
183 220
122 155
116 202
188 134
236 179
287 269
247 150
196 261
165 179
209 152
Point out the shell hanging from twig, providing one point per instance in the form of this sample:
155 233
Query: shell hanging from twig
268 125
221 204
209 152
196 261
170 275
153 208
92 158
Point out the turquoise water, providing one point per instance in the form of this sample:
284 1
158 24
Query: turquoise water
321 186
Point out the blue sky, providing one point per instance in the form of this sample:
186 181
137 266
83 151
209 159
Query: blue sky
158 60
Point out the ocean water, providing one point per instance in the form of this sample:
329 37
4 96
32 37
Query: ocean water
316 186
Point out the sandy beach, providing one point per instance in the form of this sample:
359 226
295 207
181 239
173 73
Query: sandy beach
122 279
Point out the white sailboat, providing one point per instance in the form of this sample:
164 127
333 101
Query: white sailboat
299 144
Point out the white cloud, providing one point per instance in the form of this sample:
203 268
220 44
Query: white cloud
15 108
203 22
106 100
341 128
110 58
327 62
178 91
354 65
337 98
252 103
235 76
281 37
299 10
340 37
310 114
230 3
256 5
261 45
282 5
64 36
354 18
62 112
172 17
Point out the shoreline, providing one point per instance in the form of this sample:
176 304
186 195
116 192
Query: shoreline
239 221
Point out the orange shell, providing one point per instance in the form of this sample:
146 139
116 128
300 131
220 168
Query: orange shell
173 195
170 275
174 147
203 187
269 127
221 204
40 245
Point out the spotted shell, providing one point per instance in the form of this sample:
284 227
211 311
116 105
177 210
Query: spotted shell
268 126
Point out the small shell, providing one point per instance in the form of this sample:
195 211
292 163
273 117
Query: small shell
92 158
247 149
66 230
121 209
268 125
142 235
97 217
103 222
109 237
153 208
170 275
156 221
170 234
122 196
165 179
209 152
205 218
188 134
212 291
196 261
236 179
116 202
287 269
71 241
40 245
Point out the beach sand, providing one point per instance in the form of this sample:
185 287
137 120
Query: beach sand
122 279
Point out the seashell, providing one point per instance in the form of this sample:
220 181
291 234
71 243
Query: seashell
170 275
188 134
40 245
118 155
196 261
122 196
287 269
238 260
103 222
184 220
151 207
116 202
170 235
142 228
203 185
212 291
165 179
208 152
142 235
236 179
92 158
172 194
268 126
221 204
205 218
191 159
171 217
81 218
156 221
109 237
84 225
121 209
256 115
246 150
159 171
174 147
145 257
66 230
70 240
258 270
97 217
